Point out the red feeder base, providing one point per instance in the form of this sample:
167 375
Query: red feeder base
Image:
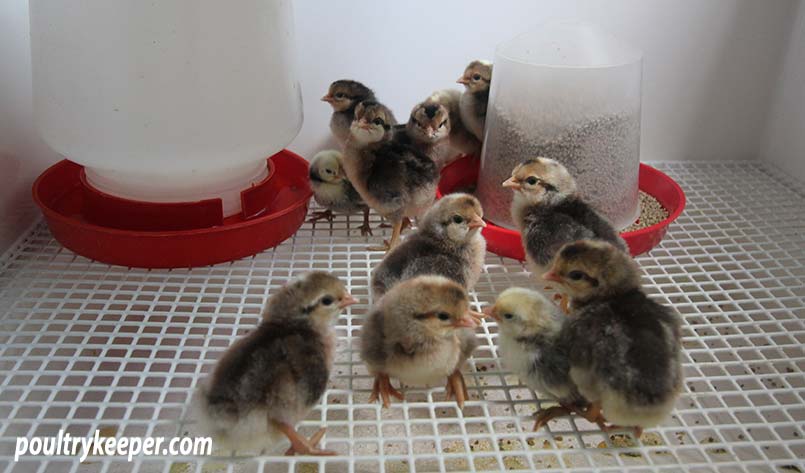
172 235
463 173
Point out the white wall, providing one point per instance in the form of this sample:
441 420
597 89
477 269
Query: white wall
22 155
785 139
710 70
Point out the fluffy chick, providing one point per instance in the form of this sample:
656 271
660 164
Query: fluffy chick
344 95
428 130
531 348
448 243
268 380
626 347
420 332
462 140
394 179
476 80
332 189
549 212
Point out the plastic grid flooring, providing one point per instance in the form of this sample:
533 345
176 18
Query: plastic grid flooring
87 346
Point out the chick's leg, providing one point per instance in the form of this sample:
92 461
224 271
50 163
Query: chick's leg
321 215
299 444
456 387
395 237
383 390
365 228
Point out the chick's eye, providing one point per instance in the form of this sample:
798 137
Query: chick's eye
476 77
339 95
458 219
378 121
443 124
327 300
508 316
532 181
443 316
575 275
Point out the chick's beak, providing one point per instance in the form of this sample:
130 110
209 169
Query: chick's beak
347 301
476 222
551 276
328 99
462 80
511 182
489 311
465 322
363 124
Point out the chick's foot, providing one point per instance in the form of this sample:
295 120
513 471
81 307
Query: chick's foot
365 228
302 446
456 387
382 389
544 416
321 215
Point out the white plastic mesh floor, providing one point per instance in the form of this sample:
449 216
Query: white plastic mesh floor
86 346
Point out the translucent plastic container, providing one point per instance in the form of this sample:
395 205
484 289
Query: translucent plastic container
570 92
166 101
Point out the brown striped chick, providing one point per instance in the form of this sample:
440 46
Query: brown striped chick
626 356
428 130
344 96
420 332
333 191
269 380
476 80
462 140
448 242
394 179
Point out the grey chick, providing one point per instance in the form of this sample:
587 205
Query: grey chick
626 356
268 380
428 130
344 95
420 332
448 243
476 79
549 212
332 189
462 140
530 346
394 179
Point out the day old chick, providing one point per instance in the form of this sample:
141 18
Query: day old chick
549 212
476 79
333 191
394 179
531 348
447 243
268 380
428 130
626 347
344 95
420 332
462 140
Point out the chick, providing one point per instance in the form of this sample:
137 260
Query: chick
394 179
269 380
344 95
428 130
420 332
462 141
626 347
447 243
476 80
549 213
531 348
332 189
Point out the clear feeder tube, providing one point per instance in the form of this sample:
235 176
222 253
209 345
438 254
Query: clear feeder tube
569 92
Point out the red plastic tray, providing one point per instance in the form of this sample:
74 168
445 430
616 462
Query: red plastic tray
463 174
173 235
